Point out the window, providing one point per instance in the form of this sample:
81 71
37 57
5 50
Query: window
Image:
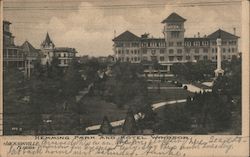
135 59
214 43
175 34
127 51
205 57
229 50
224 42
196 50
188 57
179 51
64 55
224 50
205 43
171 51
187 50
127 59
153 58
224 57
233 50
119 51
144 51
127 44
171 43
179 58
65 61
161 58
197 58
205 50
153 51
171 58
179 43
162 51
122 52
187 43
132 52
212 50
196 43
135 44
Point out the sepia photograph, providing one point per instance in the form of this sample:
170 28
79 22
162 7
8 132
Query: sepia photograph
115 67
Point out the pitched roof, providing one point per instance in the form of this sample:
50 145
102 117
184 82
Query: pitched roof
127 36
47 40
27 47
222 34
174 18
65 49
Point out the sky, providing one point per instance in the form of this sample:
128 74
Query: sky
90 25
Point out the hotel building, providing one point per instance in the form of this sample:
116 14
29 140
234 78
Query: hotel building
174 47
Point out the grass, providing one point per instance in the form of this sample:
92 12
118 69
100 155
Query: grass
94 109
168 95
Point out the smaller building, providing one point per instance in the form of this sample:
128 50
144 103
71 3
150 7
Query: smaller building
64 55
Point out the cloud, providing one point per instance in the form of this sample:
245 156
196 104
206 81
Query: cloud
90 29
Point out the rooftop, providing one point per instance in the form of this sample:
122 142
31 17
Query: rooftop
127 36
222 34
47 40
174 17
27 47
65 49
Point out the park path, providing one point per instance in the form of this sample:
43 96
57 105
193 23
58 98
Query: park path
195 89
190 88
138 115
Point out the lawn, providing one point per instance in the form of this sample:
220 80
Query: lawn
94 109
168 95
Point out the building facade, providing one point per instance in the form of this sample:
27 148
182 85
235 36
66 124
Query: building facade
174 47
64 55
47 48
13 56
48 52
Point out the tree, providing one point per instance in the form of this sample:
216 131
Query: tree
106 127
129 126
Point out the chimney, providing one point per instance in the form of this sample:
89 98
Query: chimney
234 31
198 34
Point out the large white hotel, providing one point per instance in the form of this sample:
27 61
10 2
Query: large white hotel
174 47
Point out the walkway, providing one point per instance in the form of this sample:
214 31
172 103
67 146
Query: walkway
137 116
155 106
195 89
